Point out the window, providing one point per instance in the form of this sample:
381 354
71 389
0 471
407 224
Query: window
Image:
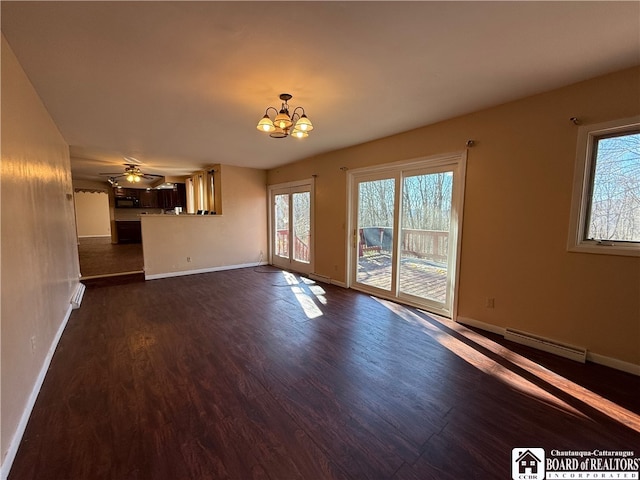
605 215
203 191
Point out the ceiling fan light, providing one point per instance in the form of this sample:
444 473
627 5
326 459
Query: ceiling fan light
304 124
136 178
130 178
265 124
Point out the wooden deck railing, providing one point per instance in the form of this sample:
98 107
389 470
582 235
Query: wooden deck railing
300 246
431 244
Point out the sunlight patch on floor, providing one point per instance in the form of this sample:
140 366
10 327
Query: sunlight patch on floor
479 360
306 301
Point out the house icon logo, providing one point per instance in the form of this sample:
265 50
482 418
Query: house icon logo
527 464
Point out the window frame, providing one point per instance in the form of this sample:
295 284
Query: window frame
583 188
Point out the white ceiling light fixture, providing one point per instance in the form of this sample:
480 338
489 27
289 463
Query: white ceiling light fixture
297 124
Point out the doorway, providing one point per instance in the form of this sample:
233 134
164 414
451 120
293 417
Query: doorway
405 220
98 256
291 226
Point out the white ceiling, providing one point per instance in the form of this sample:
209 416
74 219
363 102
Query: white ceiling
181 85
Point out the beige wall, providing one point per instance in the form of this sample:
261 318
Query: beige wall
103 186
516 216
211 242
92 214
39 255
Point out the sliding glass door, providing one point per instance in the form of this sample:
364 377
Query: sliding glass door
405 221
425 230
291 227
376 224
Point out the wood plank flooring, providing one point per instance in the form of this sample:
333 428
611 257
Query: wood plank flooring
258 374
103 259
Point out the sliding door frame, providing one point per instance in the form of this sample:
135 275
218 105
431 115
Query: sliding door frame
457 161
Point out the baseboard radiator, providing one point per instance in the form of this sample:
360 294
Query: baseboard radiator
76 299
568 351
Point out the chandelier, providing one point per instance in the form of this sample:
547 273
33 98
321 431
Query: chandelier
283 125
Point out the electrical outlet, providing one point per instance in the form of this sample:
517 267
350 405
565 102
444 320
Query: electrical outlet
33 343
188 259
490 302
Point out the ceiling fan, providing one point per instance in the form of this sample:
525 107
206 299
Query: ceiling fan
132 173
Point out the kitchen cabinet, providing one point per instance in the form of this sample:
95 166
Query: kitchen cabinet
121 192
163 198
129 231
171 198
148 198
127 192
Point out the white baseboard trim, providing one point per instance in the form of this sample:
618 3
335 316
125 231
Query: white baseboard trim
157 276
31 401
107 275
481 325
320 278
591 357
613 363
326 279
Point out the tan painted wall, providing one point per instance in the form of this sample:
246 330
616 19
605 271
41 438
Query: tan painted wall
39 255
104 186
516 216
92 214
235 238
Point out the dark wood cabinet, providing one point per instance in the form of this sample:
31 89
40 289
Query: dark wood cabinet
120 192
163 198
171 198
127 192
148 199
129 231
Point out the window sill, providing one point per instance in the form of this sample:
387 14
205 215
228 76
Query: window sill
618 250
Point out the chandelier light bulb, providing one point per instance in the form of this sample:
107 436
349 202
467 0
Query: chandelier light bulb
299 133
304 123
265 124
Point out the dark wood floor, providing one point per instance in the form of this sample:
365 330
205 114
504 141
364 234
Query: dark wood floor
103 259
247 374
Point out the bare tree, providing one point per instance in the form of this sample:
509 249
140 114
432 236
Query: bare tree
615 196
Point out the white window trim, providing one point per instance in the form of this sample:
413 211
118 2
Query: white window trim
581 189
